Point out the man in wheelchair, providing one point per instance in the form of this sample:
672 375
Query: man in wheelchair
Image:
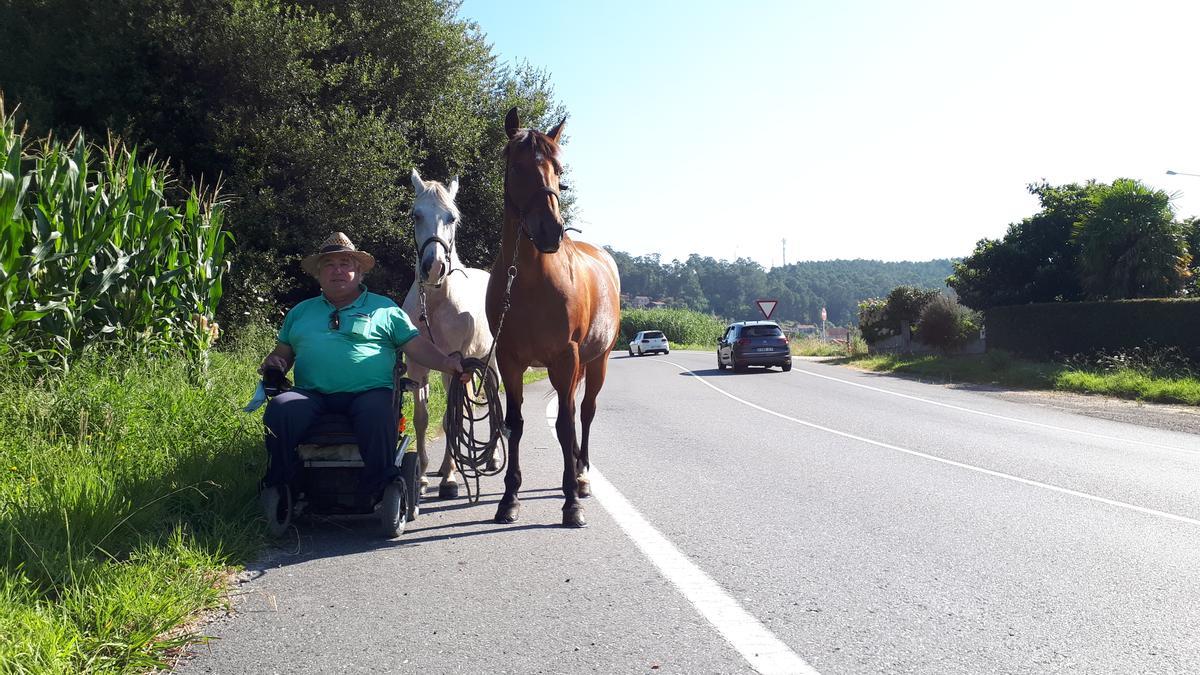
343 346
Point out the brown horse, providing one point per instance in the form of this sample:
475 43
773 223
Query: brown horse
564 310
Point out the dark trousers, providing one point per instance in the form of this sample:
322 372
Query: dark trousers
290 414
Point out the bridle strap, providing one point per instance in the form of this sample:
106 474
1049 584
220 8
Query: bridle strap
545 189
448 246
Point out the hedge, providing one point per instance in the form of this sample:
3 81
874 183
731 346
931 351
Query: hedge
1068 328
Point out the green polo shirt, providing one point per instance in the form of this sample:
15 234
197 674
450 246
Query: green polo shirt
358 356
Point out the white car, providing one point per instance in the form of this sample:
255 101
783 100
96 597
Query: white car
649 342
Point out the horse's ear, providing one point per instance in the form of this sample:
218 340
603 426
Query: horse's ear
556 132
453 187
418 184
512 123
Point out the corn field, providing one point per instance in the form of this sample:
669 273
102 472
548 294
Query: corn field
93 252
681 326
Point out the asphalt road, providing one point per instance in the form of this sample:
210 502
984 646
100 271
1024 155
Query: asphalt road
821 520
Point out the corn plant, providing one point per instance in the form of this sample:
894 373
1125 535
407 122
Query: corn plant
92 250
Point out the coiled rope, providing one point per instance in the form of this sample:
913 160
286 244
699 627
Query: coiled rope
475 425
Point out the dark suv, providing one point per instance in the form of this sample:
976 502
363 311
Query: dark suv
753 343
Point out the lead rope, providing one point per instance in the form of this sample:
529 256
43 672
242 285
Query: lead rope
474 451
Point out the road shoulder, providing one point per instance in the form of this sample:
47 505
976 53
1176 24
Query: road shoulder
1167 416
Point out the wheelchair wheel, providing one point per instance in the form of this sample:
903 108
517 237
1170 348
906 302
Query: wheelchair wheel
408 472
277 508
393 509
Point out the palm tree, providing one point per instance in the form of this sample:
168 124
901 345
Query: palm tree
1130 245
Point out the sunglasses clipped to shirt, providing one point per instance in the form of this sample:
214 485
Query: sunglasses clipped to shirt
335 320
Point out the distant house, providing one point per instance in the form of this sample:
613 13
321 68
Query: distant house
805 329
640 302
657 305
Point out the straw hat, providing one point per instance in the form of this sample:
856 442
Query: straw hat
338 242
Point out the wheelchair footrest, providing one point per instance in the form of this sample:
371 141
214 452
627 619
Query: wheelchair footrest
330 463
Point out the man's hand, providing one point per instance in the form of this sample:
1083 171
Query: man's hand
454 364
273 362
422 350
279 359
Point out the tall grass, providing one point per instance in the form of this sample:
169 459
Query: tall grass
815 346
93 250
125 490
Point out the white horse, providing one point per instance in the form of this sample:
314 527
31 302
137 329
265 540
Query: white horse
454 308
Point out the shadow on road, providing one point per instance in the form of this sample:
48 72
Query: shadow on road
319 537
713 372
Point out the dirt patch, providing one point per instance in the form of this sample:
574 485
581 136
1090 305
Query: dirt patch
1185 418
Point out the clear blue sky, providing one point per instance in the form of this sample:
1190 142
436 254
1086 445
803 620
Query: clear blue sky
886 130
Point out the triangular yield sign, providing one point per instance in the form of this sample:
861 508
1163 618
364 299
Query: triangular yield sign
767 307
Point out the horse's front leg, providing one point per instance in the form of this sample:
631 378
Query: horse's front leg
510 507
448 489
421 421
593 380
564 375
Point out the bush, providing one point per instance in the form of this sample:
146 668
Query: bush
870 319
878 319
681 326
945 324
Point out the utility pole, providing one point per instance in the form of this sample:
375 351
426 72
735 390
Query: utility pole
784 253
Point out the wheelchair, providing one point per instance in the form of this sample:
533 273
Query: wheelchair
326 481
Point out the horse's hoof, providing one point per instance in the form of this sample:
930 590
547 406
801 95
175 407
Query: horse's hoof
448 491
573 517
508 513
583 489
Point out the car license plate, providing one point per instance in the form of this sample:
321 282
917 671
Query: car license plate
765 349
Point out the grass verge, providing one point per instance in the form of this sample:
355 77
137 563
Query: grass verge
126 491
1002 369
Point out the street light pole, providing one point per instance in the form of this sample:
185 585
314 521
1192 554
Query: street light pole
1181 173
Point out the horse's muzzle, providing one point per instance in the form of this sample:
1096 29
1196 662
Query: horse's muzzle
549 238
428 267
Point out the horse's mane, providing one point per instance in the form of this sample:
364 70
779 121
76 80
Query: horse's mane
538 143
443 197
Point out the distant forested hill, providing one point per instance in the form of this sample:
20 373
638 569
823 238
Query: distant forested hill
729 289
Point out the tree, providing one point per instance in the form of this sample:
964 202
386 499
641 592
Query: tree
311 112
1036 259
1130 245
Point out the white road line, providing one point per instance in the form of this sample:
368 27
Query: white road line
969 467
984 414
762 650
